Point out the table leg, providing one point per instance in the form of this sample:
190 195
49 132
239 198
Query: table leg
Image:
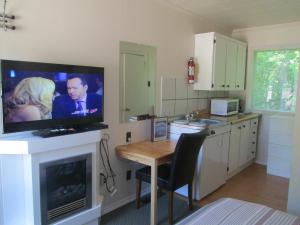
153 193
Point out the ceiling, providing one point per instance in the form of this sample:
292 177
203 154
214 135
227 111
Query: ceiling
235 14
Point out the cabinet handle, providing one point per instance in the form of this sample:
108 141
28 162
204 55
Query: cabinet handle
212 132
253 142
223 85
227 85
239 127
254 122
237 85
244 125
252 152
254 132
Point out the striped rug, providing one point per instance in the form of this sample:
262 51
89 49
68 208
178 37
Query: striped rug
229 211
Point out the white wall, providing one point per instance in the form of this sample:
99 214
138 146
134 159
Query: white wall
88 33
271 37
294 186
258 38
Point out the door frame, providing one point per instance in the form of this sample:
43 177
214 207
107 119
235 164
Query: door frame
149 52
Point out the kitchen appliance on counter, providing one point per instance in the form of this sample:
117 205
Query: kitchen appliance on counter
224 106
211 168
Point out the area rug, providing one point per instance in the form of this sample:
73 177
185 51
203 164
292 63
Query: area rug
129 215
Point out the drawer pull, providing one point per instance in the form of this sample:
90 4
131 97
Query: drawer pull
254 132
253 142
244 125
254 122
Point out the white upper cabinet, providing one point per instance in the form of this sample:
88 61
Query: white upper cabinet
241 67
218 66
220 62
231 62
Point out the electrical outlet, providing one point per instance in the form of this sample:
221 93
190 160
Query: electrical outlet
102 179
128 175
128 136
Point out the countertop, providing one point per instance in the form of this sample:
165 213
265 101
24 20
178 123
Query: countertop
227 120
236 118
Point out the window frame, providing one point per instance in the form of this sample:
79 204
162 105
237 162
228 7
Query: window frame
250 77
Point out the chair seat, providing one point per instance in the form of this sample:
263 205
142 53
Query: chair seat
163 174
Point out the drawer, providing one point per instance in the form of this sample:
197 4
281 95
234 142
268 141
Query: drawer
252 143
253 132
254 122
252 153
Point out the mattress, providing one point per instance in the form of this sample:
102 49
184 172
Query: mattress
228 211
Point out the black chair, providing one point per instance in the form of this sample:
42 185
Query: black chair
180 172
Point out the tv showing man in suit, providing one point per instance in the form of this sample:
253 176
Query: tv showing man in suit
78 101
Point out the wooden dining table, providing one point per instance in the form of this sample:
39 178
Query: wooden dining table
151 154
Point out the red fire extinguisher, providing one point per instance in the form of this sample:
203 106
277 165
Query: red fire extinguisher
191 71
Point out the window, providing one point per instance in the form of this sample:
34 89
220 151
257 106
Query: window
275 80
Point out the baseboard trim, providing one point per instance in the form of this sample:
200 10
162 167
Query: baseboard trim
239 169
122 202
261 163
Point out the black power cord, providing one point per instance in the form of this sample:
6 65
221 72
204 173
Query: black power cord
108 171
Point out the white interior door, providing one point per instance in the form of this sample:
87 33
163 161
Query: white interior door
135 80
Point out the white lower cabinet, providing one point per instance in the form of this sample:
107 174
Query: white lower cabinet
234 150
213 167
243 142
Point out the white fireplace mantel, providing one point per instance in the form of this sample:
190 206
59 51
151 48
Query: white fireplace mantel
19 175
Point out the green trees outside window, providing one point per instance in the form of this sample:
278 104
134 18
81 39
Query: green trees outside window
275 80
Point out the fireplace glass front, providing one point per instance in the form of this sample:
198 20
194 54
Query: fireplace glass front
65 187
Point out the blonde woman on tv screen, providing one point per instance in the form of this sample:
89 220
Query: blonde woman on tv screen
30 100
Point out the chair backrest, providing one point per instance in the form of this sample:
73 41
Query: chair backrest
185 158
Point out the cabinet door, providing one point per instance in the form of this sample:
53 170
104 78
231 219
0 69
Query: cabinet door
213 167
233 157
244 143
231 62
219 66
241 67
204 60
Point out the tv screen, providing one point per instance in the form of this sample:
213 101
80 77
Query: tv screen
42 95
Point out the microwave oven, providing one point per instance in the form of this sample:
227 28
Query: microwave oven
224 107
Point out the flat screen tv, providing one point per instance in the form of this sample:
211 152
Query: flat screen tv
50 96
